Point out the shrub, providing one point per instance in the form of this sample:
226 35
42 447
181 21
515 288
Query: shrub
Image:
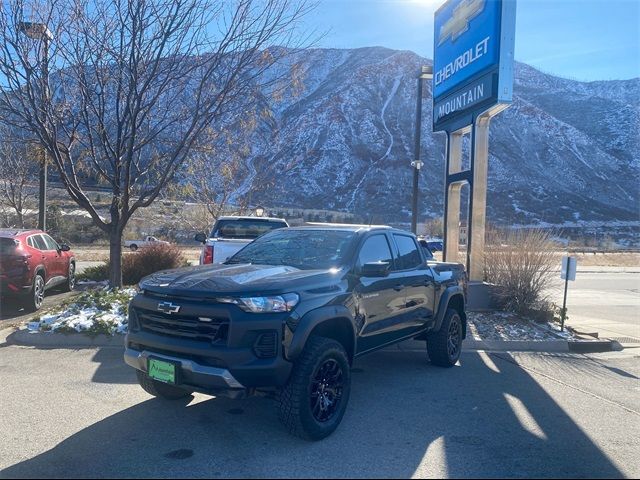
139 264
521 264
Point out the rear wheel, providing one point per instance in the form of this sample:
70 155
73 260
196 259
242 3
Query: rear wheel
445 345
36 297
159 389
315 398
133 247
71 278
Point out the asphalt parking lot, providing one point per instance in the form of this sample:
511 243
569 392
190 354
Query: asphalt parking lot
79 413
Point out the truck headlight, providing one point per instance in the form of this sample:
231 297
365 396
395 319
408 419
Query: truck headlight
270 304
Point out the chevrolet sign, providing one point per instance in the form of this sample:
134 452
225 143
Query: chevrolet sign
473 58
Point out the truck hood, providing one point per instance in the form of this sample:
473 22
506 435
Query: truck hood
238 279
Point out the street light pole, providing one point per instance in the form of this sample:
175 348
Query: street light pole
426 73
39 31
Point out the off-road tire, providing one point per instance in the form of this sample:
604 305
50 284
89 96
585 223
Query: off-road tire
438 343
295 410
159 389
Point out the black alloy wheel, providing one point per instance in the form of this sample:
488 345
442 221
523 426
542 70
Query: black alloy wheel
326 390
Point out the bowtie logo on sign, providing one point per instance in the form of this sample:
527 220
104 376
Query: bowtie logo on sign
459 21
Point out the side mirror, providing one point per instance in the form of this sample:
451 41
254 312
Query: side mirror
375 269
201 237
64 247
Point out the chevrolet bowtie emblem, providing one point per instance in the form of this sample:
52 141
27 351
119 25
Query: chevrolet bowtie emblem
459 21
168 307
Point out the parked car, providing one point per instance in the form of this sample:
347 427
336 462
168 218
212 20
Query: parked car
32 262
148 240
230 234
289 313
434 244
425 249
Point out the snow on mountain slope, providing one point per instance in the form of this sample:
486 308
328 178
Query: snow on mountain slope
342 139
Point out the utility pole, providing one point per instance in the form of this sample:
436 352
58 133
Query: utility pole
426 73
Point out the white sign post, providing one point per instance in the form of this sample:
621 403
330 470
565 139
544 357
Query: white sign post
568 272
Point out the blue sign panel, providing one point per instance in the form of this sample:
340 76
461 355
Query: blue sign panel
473 60
467 41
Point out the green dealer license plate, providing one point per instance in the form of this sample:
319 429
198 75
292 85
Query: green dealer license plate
162 371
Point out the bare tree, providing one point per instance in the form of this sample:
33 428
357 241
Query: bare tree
18 161
135 84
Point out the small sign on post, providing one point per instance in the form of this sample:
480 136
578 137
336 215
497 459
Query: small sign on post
568 272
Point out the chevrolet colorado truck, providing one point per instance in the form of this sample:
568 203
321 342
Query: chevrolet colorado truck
289 313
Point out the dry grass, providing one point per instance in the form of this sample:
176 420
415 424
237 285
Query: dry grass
101 253
610 259
623 259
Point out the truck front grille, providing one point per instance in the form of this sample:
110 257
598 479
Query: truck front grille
210 329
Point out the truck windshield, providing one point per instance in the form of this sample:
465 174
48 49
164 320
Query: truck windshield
303 249
245 229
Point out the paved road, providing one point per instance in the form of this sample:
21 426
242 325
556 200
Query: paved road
79 413
604 302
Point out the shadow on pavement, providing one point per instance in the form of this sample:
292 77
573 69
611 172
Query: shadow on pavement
12 308
485 418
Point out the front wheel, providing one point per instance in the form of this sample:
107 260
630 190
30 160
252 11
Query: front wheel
315 398
445 345
159 389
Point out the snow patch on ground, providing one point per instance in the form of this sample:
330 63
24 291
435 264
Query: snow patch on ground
101 311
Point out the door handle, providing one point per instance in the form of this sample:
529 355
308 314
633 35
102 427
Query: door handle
397 288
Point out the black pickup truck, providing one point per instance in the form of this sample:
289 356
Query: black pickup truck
289 313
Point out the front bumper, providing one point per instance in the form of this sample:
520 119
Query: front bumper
192 374
246 353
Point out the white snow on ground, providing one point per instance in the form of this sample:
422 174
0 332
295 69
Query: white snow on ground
86 315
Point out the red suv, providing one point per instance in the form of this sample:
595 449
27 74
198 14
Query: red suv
32 262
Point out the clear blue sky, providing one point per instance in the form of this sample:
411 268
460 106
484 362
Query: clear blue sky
581 39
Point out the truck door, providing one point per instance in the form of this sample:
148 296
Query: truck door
419 283
379 299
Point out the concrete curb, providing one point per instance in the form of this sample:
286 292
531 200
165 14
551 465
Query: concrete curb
25 338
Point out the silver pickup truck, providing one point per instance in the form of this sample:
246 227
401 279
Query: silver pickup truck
148 240
230 234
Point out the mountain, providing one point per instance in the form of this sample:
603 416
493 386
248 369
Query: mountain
341 138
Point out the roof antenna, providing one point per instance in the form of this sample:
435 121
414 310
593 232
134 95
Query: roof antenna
370 219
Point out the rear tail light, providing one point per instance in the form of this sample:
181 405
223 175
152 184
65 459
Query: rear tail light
208 254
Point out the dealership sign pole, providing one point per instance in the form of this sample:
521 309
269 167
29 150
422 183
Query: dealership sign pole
472 82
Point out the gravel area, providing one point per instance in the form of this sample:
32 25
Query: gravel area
509 326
